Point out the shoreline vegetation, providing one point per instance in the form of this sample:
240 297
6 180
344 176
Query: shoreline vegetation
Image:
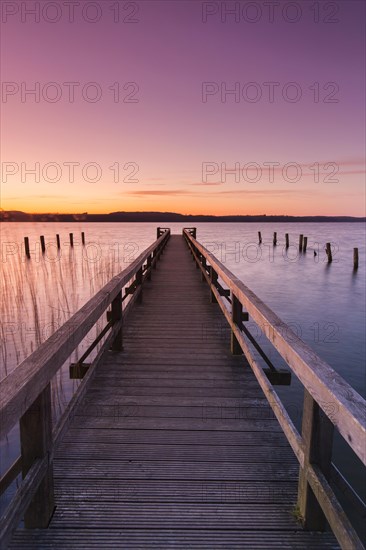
19 216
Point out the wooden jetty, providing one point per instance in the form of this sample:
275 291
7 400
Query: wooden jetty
175 438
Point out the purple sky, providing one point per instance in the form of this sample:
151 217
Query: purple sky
173 144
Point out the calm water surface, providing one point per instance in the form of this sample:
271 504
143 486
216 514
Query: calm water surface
324 304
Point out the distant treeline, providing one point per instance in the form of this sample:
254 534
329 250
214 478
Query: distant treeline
166 217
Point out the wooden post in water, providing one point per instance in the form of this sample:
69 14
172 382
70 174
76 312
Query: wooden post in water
36 442
116 316
317 436
26 246
82 237
355 258
305 244
287 240
300 242
260 237
58 241
236 315
43 244
274 238
328 250
71 240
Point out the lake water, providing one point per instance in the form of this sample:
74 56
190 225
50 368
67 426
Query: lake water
323 303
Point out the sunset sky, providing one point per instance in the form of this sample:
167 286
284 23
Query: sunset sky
292 134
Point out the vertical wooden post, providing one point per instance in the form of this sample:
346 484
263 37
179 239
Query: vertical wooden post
328 250
213 280
287 240
259 237
71 239
204 265
274 238
198 255
194 232
36 441
82 237
149 261
43 244
300 242
236 315
139 285
116 316
26 246
305 244
317 435
58 242
157 232
355 258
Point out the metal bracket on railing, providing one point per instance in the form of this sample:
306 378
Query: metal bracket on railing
277 377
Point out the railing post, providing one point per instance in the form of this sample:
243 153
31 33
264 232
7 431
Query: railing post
213 281
236 315
157 232
36 442
148 265
194 232
204 265
139 285
317 435
116 316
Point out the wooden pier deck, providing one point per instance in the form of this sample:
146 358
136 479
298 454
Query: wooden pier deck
174 444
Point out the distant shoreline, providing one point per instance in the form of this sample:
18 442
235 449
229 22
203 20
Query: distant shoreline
167 217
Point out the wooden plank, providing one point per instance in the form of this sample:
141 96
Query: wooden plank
200 539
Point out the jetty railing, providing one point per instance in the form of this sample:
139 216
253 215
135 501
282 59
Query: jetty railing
25 394
329 401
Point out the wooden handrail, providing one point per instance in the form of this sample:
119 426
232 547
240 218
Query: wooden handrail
339 401
329 401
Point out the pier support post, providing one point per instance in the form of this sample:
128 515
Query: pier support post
236 315
301 237
287 240
317 435
43 244
274 238
58 242
305 244
36 442
116 316
259 237
26 246
328 250
82 237
355 258
71 240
